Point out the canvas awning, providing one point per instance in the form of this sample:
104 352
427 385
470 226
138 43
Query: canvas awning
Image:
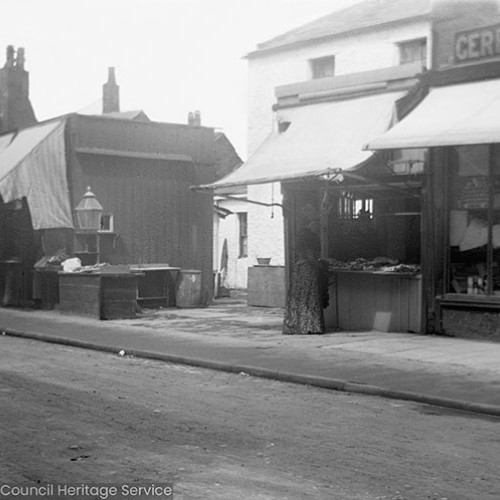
455 115
321 137
33 165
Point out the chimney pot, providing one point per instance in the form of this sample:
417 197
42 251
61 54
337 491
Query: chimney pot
111 94
197 118
111 75
20 58
9 62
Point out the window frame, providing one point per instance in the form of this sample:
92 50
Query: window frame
242 234
472 271
414 43
320 67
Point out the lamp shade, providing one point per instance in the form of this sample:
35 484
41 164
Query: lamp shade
88 212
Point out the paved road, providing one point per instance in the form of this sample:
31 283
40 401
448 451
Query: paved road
72 415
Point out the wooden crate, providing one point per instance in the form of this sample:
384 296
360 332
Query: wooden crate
102 296
266 286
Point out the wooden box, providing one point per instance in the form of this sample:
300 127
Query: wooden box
102 296
266 286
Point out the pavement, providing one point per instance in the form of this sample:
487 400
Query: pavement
229 335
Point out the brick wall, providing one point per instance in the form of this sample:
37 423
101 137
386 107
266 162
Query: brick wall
472 324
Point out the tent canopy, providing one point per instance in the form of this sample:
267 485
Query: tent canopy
455 115
33 165
320 137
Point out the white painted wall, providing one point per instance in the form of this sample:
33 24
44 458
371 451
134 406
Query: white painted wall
228 228
265 225
363 52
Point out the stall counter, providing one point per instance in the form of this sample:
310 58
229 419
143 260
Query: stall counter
382 301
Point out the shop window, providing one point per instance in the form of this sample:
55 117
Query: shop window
474 221
323 67
413 51
243 234
384 227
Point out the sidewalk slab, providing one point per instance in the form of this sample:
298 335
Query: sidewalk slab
231 336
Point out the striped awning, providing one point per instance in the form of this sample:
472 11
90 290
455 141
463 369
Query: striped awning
33 165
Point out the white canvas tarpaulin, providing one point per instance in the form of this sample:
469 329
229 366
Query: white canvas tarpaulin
320 137
455 115
33 165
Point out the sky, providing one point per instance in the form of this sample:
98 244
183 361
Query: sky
170 56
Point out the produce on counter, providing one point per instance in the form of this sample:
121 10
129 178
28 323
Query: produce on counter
379 264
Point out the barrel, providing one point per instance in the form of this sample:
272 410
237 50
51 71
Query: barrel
188 292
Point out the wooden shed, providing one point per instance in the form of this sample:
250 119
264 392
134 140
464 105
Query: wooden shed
139 171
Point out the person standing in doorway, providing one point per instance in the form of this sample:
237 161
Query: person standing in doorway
308 291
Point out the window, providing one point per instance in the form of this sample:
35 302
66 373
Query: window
323 67
413 51
407 161
351 207
107 223
474 220
243 234
283 126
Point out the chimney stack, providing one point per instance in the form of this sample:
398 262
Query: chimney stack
15 107
194 118
111 94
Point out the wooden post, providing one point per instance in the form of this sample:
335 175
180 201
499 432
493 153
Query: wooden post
491 218
427 249
289 234
324 209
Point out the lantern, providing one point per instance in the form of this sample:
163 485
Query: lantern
88 212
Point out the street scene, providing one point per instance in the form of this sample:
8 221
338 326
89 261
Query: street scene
250 249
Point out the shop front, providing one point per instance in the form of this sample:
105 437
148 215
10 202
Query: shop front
457 124
370 243
356 213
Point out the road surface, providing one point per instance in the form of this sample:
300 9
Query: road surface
71 415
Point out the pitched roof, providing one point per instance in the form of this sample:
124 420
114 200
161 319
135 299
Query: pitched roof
137 115
362 16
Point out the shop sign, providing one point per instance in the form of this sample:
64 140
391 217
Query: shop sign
478 44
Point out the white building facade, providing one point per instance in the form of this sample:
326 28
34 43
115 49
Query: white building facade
343 43
374 49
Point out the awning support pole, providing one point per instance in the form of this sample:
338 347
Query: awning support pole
246 200
376 183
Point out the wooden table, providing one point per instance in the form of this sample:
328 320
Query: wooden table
157 284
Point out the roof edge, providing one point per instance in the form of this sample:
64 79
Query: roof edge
342 34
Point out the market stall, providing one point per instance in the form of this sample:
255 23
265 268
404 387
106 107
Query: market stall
374 297
369 235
